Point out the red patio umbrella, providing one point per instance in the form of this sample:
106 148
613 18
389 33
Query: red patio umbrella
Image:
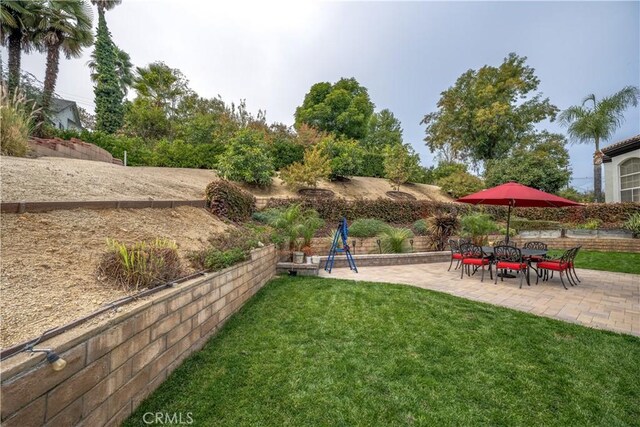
516 195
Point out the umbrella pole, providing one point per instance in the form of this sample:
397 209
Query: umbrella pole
508 221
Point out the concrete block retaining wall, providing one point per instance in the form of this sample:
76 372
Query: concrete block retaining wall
372 260
71 149
112 367
320 246
592 243
368 245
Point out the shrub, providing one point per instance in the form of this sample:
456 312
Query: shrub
477 226
372 164
227 200
229 248
420 227
394 240
444 169
142 264
218 260
502 230
247 159
592 224
440 228
345 155
285 152
266 216
633 224
460 184
16 119
367 227
400 163
315 166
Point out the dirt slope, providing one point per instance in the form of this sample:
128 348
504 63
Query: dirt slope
49 260
58 179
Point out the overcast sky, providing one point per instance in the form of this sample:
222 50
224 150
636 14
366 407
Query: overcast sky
405 53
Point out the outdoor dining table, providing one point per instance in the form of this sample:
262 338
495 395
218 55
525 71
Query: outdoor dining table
526 253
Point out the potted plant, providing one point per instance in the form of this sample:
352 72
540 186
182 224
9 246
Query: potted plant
298 254
308 253
295 228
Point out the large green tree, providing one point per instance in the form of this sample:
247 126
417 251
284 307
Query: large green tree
19 23
108 87
384 130
342 108
67 28
487 112
540 161
595 121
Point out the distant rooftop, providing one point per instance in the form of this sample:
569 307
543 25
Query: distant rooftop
58 104
621 147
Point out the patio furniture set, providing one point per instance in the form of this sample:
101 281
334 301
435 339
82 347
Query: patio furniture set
507 258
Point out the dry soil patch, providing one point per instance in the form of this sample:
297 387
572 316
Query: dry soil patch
49 260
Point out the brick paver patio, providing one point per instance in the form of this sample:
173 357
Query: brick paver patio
603 300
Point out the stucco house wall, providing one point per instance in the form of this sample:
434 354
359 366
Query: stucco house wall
612 172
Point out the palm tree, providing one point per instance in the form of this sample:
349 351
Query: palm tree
19 21
67 29
598 122
124 69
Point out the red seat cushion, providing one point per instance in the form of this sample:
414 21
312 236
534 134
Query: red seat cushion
553 265
456 256
475 261
511 265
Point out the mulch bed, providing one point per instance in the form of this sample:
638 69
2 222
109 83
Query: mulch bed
400 195
316 193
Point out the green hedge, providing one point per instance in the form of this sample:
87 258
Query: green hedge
522 224
227 200
409 211
367 227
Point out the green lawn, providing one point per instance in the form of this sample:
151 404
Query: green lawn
322 352
623 262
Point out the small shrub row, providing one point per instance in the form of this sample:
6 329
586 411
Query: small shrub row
409 211
142 264
229 248
387 210
229 201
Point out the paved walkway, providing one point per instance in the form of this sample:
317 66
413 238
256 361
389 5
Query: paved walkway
603 300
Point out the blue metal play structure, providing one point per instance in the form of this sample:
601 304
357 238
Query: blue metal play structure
341 233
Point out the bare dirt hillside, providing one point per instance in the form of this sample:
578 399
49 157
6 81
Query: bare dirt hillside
49 260
58 179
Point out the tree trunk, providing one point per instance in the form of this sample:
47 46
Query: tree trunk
597 173
597 181
15 50
50 77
